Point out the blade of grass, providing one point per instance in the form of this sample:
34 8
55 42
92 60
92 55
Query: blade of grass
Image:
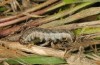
61 14
37 60
79 1
80 25
2 9
87 30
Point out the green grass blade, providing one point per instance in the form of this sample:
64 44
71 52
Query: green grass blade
2 9
87 30
37 60
79 1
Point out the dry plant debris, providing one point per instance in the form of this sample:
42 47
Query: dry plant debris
50 28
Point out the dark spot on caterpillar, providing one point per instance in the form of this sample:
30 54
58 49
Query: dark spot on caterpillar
45 34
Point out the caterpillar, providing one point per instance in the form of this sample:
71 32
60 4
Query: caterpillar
45 34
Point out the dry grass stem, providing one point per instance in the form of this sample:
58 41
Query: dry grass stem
34 49
72 18
79 25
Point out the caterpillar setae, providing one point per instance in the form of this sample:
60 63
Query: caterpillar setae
45 34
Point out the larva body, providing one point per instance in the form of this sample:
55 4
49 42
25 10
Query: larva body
45 34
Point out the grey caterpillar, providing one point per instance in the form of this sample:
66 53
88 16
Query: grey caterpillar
45 34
